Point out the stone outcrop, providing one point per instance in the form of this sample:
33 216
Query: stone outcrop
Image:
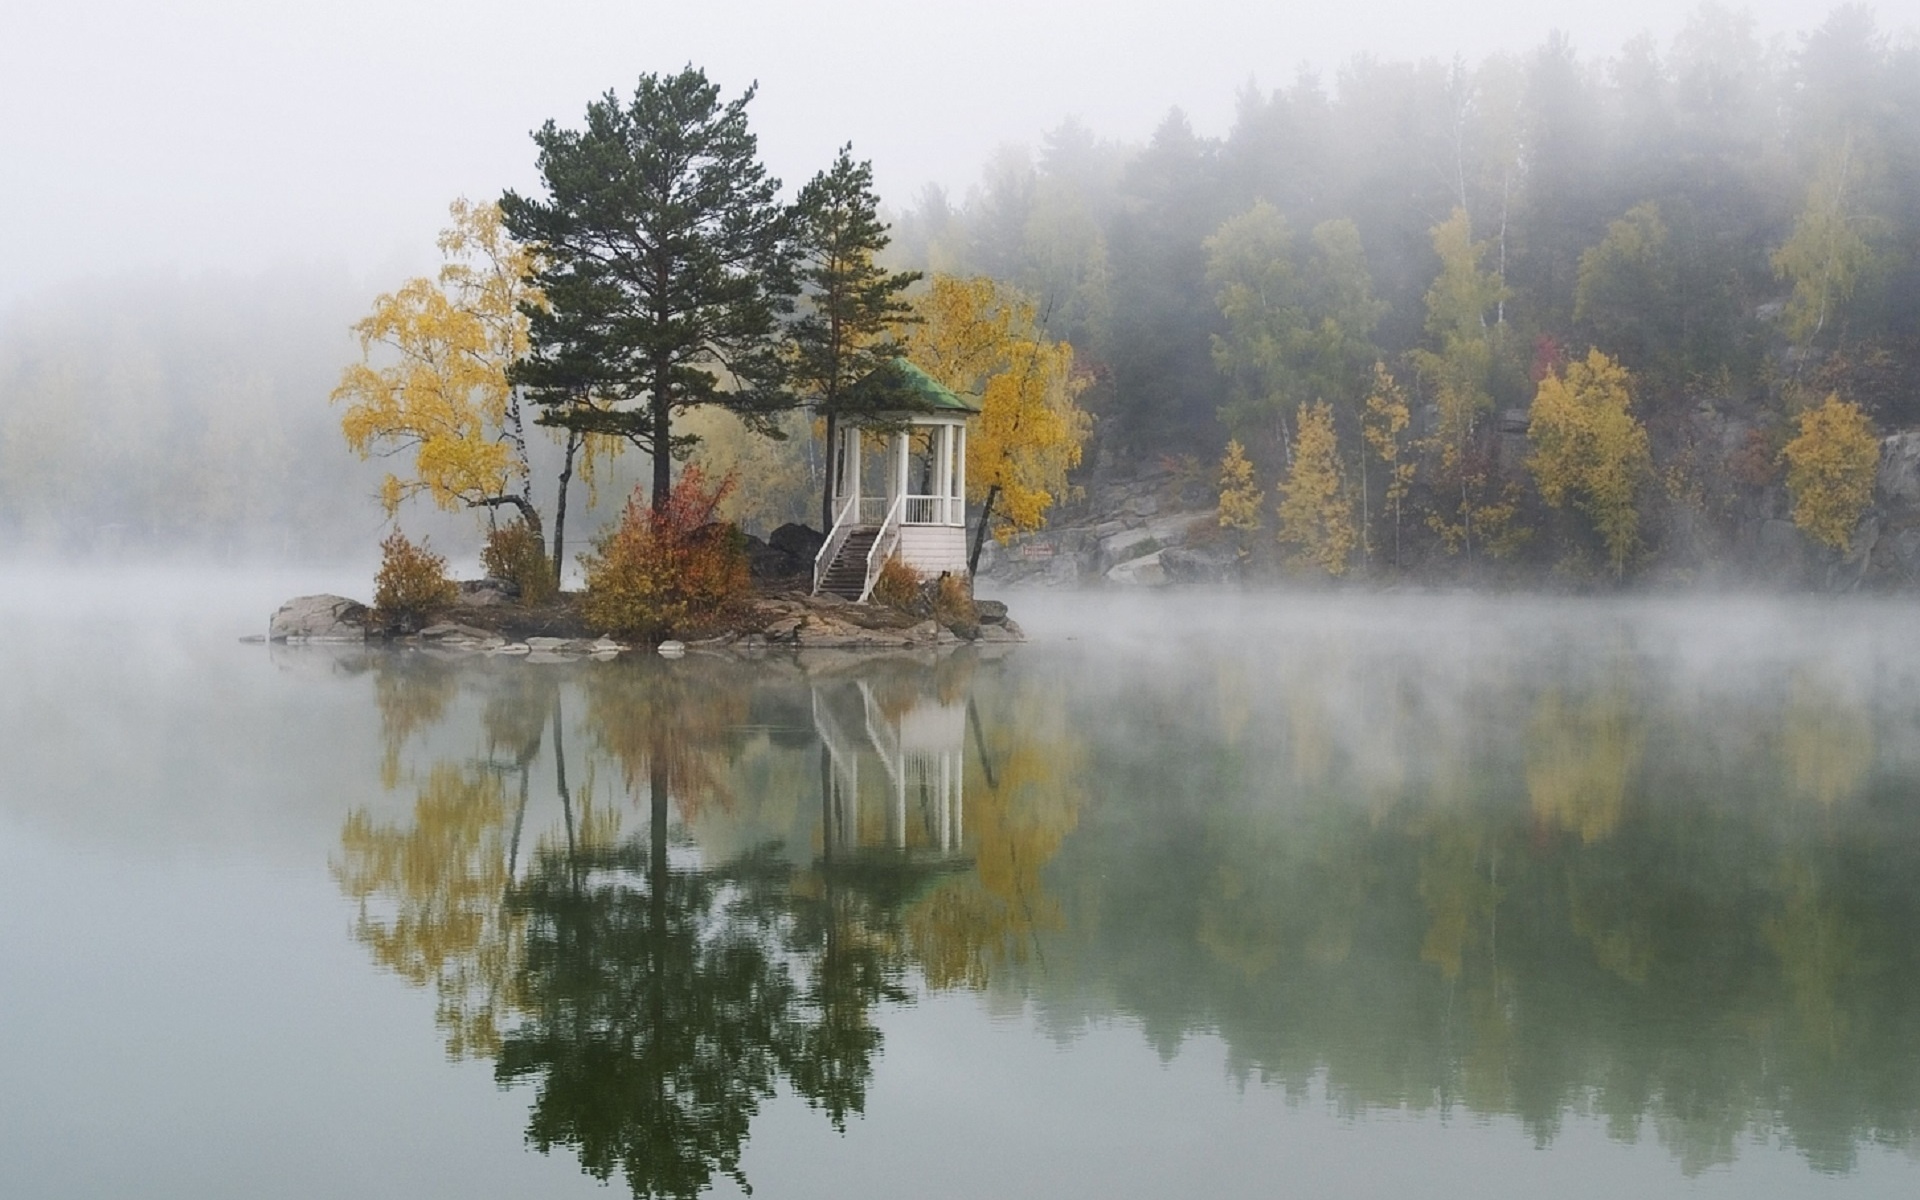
319 619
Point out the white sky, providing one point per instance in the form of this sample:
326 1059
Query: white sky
240 134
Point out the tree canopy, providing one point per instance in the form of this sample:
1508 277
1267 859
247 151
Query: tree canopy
666 264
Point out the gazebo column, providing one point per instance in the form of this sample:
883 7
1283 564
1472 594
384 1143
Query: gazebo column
943 473
960 487
899 474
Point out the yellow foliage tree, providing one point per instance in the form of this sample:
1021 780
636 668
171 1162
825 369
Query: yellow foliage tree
1458 365
1830 471
980 338
1590 450
1316 515
1239 493
1383 425
441 390
1828 254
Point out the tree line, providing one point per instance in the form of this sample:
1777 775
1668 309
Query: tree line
1730 224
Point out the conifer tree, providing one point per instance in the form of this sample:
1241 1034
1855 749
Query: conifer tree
852 306
666 267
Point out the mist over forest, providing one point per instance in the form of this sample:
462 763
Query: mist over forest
1734 222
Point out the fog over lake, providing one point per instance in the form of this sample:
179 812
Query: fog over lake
1197 894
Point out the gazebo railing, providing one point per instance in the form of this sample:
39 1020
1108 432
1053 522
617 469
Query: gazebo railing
836 538
873 509
934 510
884 545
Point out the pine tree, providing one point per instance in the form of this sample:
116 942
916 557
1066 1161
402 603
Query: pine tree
666 266
852 306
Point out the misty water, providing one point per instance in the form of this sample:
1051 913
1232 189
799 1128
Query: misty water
1213 897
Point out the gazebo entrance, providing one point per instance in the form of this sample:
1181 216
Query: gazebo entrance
899 489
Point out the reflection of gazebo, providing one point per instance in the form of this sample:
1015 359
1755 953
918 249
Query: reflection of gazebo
920 812
909 499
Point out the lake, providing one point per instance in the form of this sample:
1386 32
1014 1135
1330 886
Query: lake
1208 896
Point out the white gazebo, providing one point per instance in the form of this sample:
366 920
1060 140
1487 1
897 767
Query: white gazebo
899 485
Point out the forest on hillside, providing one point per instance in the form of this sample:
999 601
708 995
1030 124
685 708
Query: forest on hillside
1555 311
1733 222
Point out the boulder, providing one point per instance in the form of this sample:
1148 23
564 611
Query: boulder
486 593
1144 571
798 541
1899 477
992 612
1216 563
319 619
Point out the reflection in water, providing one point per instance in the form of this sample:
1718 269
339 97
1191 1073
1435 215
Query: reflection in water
1683 910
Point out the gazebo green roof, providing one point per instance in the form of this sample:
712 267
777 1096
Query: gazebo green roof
899 386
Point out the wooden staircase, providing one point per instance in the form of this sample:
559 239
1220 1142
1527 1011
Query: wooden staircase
847 576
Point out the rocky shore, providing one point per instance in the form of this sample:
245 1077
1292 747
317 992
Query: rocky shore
485 621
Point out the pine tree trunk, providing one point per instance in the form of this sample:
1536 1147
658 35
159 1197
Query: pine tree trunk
560 507
980 534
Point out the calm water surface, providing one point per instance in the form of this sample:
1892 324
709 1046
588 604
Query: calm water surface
1238 897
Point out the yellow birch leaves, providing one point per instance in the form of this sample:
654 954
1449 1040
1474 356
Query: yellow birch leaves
432 378
1239 493
1590 451
980 339
1830 471
1316 514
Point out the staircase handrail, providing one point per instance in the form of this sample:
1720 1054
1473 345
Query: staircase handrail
844 522
883 546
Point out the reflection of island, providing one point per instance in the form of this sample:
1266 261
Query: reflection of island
1581 898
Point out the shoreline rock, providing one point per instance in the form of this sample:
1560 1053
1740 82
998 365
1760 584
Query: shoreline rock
789 621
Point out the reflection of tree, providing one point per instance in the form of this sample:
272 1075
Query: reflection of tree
1024 794
668 723
1826 742
412 693
657 1019
1581 760
442 879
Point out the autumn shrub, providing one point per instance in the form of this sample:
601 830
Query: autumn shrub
412 584
515 552
953 603
675 570
898 586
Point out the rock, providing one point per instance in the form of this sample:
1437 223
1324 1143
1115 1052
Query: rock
992 612
254 639
512 648
452 631
1217 563
829 600
319 619
548 644
797 541
1145 571
672 649
606 646
1143 506
486 593
1899 477
1119 547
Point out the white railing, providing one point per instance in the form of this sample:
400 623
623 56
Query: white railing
836 538
873 509
935 510
884 544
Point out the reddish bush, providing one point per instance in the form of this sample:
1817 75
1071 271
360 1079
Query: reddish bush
677 570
